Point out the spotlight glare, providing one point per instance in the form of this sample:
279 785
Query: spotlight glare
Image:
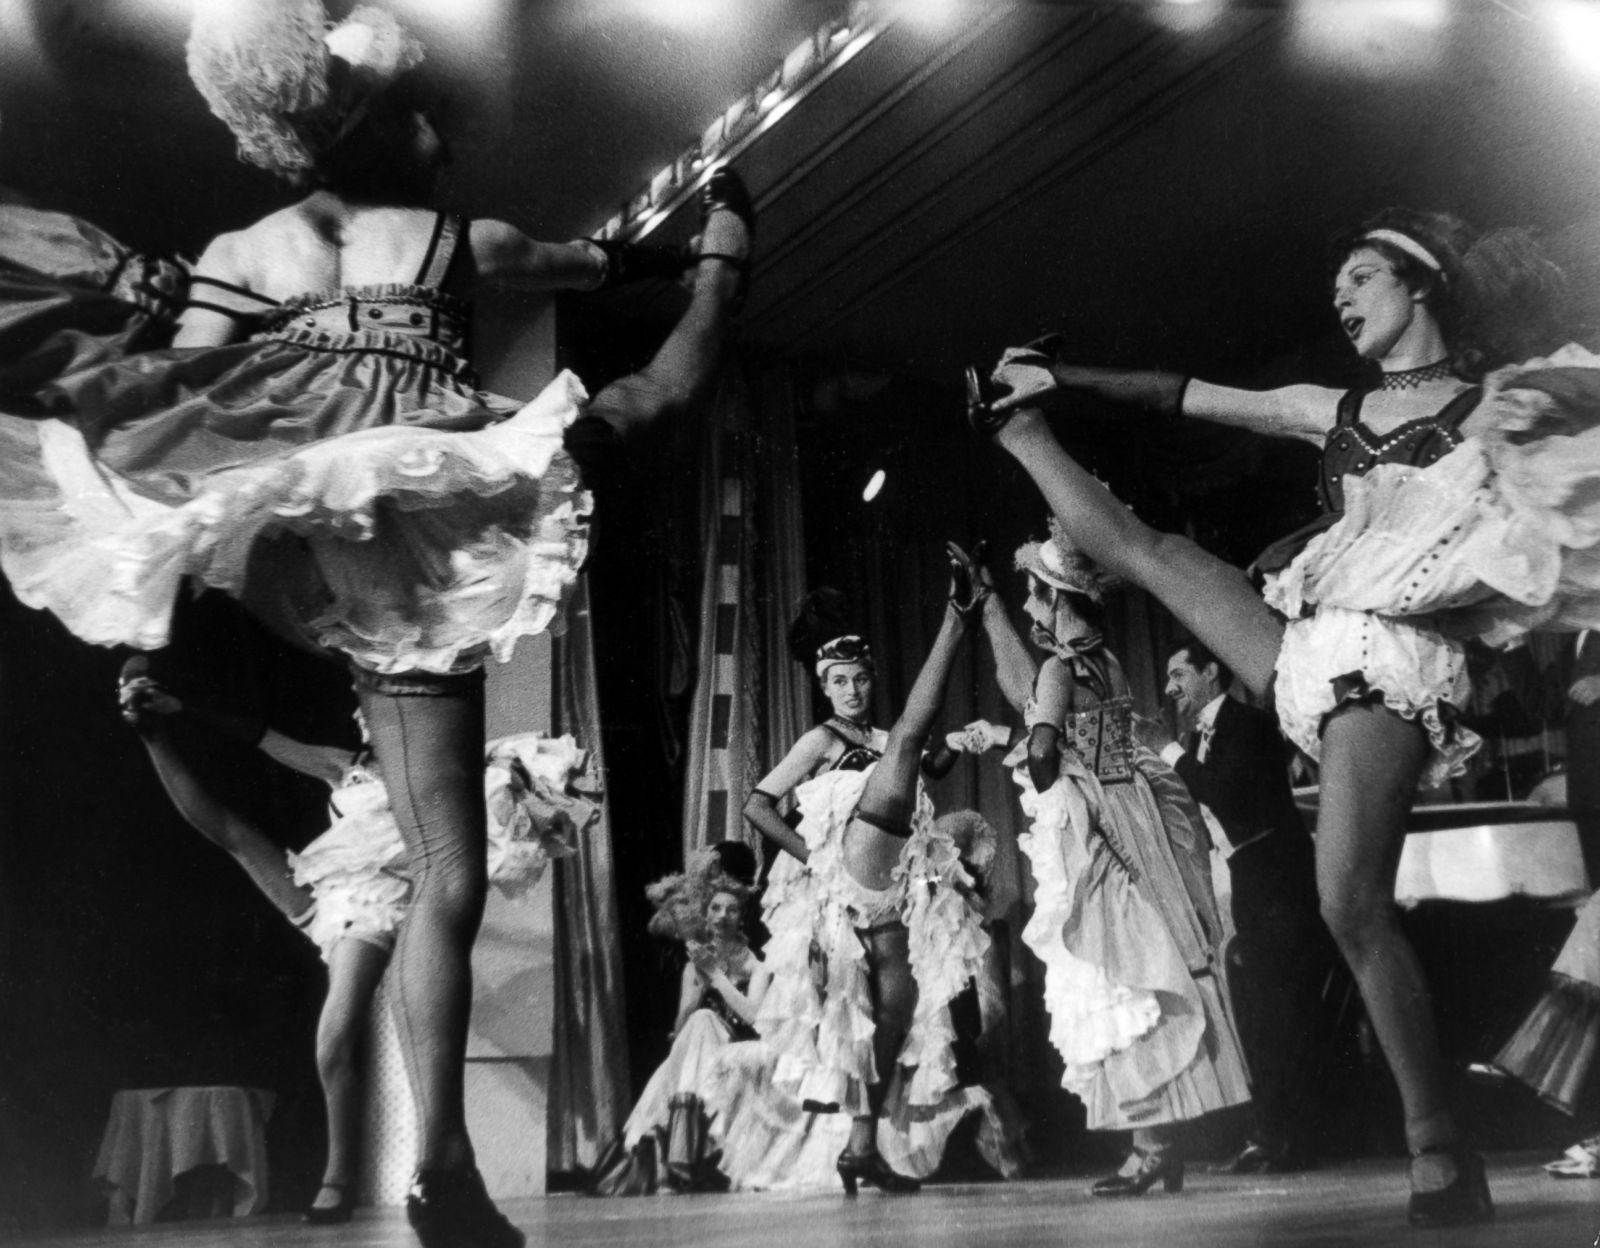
1577 27
874 486
1376 37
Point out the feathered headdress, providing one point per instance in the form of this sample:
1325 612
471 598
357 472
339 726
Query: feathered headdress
1058 562
287 83
681 899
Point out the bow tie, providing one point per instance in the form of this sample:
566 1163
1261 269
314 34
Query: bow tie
1202 740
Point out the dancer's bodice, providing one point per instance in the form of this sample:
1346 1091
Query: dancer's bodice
1352 449
1102 736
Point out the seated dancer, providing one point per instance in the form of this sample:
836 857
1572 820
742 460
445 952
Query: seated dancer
1554 1051
666 1140
1454 510
1124 918
313 446
874 927
347 890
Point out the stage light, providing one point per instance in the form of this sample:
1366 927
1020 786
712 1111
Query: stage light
874 486
21 52
685 13
1577 26
806 67
770 95
1186 16
935 16
1378 37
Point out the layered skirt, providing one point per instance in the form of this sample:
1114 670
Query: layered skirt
352 488
540 798
1499 538
1128 939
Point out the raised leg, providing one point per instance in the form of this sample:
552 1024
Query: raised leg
259 857
890 794
1211 598
688 359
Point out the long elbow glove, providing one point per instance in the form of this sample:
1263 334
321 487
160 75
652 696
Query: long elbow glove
1154 390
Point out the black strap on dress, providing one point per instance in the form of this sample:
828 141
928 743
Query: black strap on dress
439 261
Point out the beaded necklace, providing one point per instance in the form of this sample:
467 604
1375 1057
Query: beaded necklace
1411 378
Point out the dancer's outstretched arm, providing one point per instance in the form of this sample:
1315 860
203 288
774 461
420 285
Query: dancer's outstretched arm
1303 411
1014 666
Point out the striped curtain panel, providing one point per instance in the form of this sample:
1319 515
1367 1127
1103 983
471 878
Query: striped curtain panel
589 1093
749 701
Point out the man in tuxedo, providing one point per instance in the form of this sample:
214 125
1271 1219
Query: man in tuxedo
1236 763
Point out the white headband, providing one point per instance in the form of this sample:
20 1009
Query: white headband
1407 244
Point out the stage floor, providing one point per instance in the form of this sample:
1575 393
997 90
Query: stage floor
1357 1203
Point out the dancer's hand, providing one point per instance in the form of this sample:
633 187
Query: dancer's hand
969 582
978 737
1024 375
704 958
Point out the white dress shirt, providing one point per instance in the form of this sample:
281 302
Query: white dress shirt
1205 726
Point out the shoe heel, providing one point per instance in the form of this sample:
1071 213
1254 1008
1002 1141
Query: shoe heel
848 1178
1172 1180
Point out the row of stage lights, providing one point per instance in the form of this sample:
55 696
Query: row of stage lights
1324 28
802 71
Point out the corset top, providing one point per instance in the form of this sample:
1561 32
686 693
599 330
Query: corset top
1103 738
1352 449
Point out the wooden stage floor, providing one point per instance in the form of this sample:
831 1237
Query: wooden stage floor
1355 1203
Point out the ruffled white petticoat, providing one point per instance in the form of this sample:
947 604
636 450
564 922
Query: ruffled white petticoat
769 1142
817 1013
1498 538
539 799
1136 1011
1556 1050
404 547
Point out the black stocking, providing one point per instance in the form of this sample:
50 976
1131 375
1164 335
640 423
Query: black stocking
894 1002
430 748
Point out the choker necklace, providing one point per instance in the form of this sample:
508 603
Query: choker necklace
1411 378
850 727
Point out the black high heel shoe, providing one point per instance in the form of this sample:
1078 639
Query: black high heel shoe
452 1209
725 191
983 392
334 1214
1463 1201
872 1169
1166 1166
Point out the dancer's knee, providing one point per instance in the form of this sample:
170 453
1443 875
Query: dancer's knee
336 1048
451 891
1359 921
